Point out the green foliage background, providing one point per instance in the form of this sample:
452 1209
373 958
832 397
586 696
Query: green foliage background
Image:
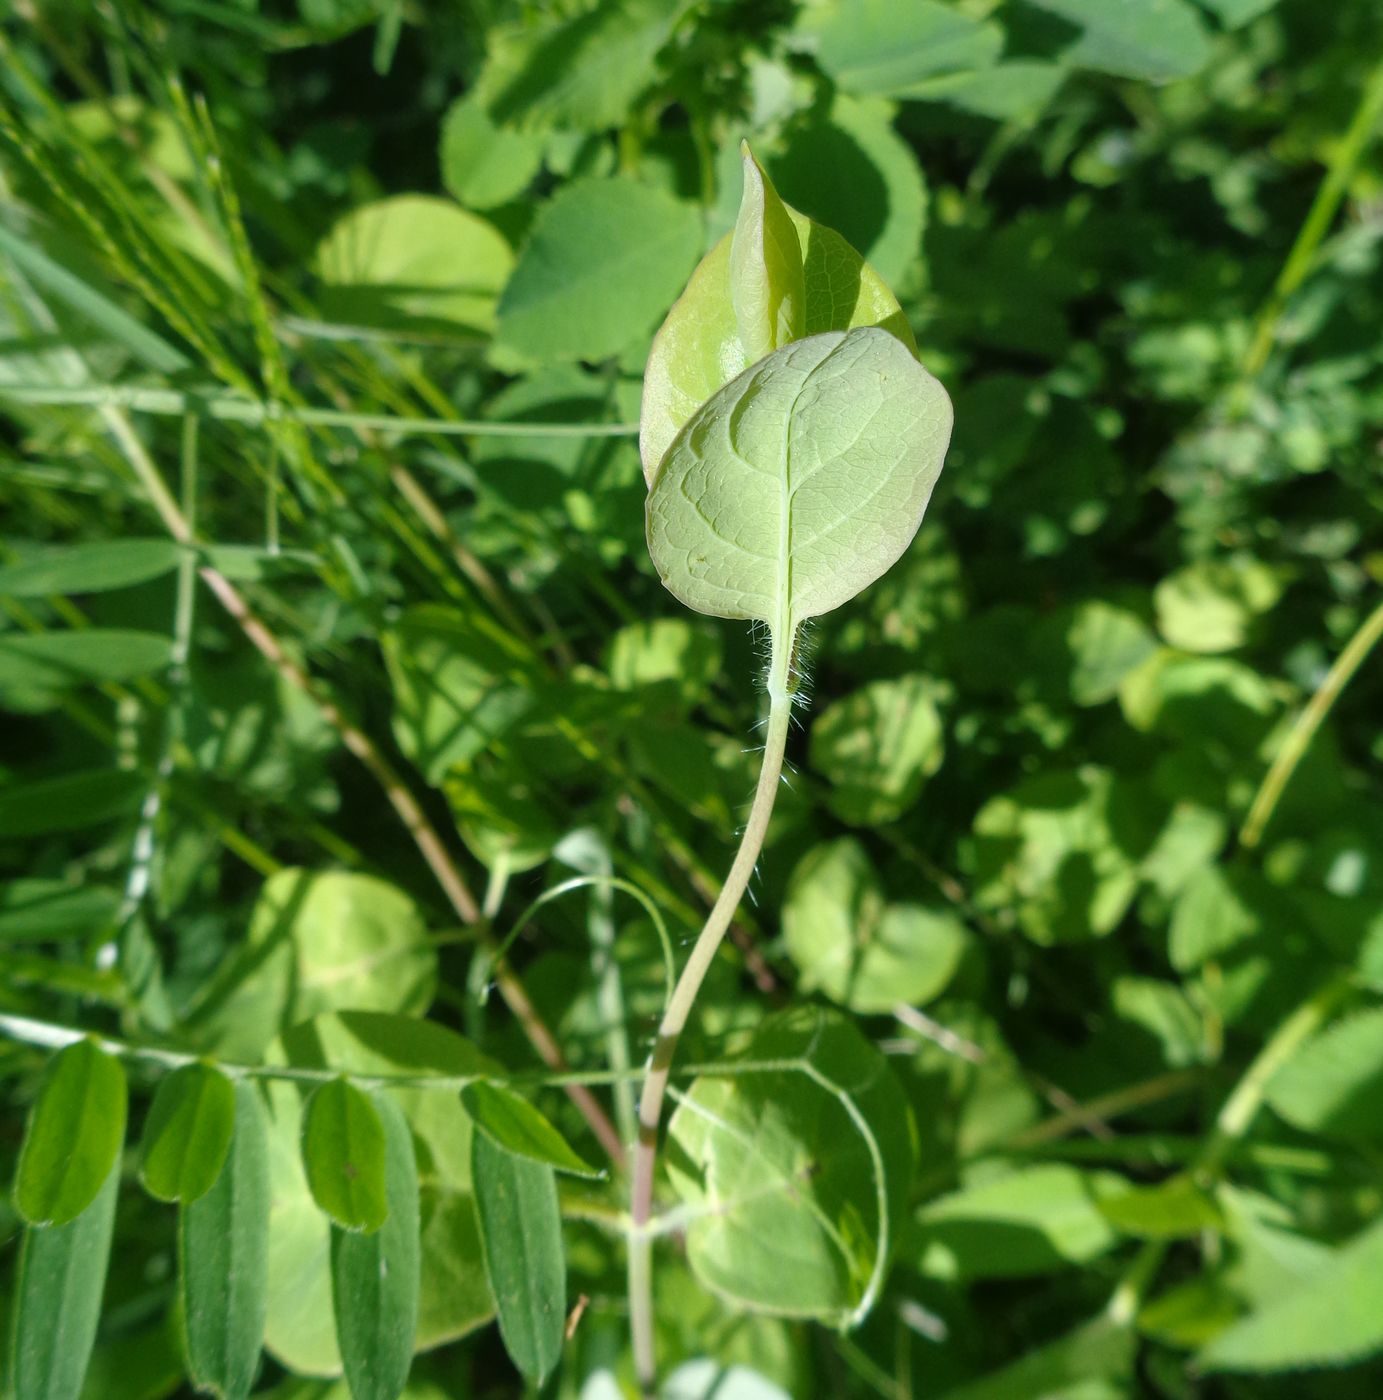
281 256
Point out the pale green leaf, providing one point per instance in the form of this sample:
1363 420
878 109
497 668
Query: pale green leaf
521 1229
1334 1083
882 46
1032 1221
1156 40
767 286
484 164
670 653
188 1132
1331 1318
454 1296
58 1286
318 942
709 1380
1106 643
698 349
849 168
514 1125
75 1132
413 261
795 1177
604 260
1210 605
1218 910
876 748
343 1153
1173 1209
375 1278
223 1251
800 482
89 568
863 952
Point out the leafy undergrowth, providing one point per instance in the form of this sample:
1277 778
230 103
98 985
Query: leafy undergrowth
363 789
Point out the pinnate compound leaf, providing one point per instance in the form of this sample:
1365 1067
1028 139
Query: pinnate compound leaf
58 1287
223 1253
375 1278
343 1151
521 1228
187 1134
455 1298
1330 1318
800 482
603 262
699 348
795 1176
89 568
74 1137
515 1126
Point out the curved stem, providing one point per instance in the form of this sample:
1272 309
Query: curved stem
684 996
1299 739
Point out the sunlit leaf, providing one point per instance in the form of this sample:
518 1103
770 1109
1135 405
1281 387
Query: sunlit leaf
188 1133
75 1132
515 1126
1152 39
801 481
343 1152
795 1177
1334 1083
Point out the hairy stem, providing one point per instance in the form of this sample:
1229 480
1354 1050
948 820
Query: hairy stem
641 1314
425 836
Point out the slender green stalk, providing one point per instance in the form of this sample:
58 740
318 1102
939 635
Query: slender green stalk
216 403
1234 1119
641 1314
1299 738
1318 220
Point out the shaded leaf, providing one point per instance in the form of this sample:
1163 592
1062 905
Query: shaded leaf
89 568
1152 39
375 1277
70 803
43 910
58 1288
521 1229
1334 1083
57 661
223 1253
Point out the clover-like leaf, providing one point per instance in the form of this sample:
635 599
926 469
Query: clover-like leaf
801 481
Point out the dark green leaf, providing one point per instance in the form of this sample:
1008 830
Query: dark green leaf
514 1125
58 1287
375 1278
89 568
74 1137
223 1250
521 1227
70 803
343 1151
188 1132
60 660
43 910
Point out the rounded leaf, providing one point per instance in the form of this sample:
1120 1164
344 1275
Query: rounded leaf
74 1135
801 481
343 1151
188 1133
515 1126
